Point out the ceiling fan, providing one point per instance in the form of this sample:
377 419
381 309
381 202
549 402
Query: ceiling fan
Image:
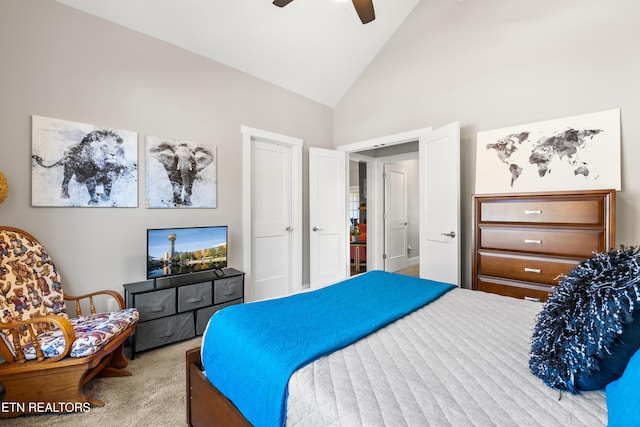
363 7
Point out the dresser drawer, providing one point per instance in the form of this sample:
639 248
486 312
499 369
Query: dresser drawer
156 304
164 331
567 242
228 289
203 315
588 212
526 268
514 289
191 297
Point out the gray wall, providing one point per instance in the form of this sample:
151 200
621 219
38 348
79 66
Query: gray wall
499 63
61 63
487 64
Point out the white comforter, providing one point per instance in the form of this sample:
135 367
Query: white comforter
461 361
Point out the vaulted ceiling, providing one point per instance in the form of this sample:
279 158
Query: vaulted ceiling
316 48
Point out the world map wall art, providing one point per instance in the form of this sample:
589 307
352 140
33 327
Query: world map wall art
574 153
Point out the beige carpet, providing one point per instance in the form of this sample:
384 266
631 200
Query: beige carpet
153 396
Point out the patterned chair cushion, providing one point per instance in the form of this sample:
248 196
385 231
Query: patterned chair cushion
30 285
92 333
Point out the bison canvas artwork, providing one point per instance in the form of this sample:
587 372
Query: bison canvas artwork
180 174
78 164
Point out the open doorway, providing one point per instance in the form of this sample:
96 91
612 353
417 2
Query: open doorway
439 205
384 209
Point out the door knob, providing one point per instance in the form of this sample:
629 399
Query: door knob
289 228
451 234
317 229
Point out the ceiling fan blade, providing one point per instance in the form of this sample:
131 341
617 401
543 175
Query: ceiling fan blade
365 10
281 3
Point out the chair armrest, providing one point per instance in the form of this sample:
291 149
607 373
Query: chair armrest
14 329
90 296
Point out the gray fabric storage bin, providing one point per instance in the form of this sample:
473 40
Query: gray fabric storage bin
164 331
191 297
156 304
228 289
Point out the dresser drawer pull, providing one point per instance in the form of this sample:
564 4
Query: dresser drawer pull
156 309
537 242
170 334
194 300
536 212
532 270
534 299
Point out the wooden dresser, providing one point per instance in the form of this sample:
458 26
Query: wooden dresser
524 241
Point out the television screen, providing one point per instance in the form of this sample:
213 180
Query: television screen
172 251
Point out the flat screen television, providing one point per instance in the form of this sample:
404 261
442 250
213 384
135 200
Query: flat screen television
172 251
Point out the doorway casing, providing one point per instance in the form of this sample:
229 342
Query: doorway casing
439 197
249 137
375 186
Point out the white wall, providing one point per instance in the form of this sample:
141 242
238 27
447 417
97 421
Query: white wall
500 63
59 62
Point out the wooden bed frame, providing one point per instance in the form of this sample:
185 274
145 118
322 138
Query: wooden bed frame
206 405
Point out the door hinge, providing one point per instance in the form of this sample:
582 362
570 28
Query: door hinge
384 256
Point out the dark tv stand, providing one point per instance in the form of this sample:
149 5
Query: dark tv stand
178 308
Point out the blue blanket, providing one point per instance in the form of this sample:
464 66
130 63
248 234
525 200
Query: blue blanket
250 350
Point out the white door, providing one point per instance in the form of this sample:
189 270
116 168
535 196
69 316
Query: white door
395 217
272 214
271 219
327 217
439 159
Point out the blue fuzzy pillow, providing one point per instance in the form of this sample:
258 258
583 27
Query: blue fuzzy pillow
611 367
623 396
585 333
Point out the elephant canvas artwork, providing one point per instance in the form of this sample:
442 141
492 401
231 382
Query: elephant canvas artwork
78 164
180 174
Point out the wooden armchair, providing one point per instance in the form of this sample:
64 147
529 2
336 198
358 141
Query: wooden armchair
48 356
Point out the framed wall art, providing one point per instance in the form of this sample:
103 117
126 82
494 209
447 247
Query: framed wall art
79 164
180 174
574 153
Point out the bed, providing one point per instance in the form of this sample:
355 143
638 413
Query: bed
460 359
